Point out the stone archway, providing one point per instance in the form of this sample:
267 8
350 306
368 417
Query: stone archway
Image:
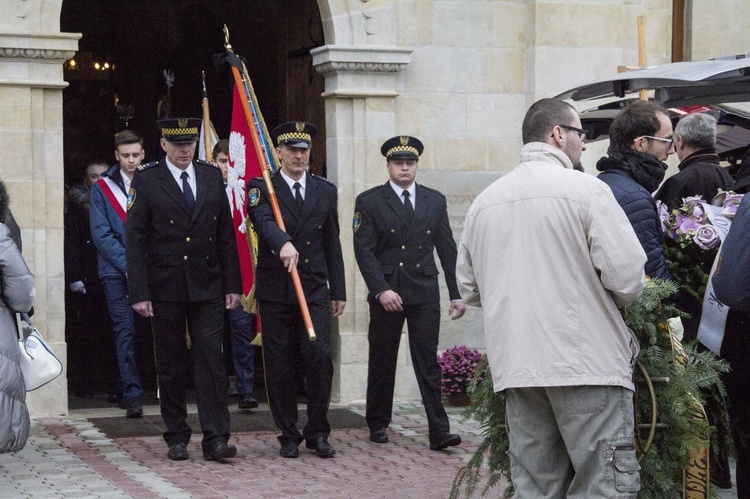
360 63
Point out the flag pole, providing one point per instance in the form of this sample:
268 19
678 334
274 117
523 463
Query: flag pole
257 128
206 122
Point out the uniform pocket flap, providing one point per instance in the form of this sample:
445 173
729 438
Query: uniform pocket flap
430 270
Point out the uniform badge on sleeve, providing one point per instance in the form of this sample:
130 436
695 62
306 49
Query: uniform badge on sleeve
253 197
357 221
131 198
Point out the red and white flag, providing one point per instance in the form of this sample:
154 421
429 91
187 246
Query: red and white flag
244 164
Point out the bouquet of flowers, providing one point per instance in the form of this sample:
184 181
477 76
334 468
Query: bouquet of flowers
459 365
693 240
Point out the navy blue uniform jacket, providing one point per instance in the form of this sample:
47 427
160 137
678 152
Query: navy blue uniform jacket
172 253
393 254
314 233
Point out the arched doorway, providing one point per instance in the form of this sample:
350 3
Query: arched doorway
127 47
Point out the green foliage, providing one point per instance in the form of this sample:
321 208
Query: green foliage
662 466
690 266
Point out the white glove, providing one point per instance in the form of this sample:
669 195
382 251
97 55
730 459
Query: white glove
78 287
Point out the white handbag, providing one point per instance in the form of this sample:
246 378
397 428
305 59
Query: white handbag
39 363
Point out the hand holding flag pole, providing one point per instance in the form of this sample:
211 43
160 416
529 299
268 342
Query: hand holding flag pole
268 158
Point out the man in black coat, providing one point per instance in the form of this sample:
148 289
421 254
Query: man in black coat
183 270
700 172
311 244
397 227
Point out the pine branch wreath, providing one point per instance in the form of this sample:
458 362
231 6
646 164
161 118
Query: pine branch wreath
662 466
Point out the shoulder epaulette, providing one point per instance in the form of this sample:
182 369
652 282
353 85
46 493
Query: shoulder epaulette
371 190
432 190
206 163
147 166
322 178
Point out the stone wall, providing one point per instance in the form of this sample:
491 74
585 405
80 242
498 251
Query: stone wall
459 74
32 51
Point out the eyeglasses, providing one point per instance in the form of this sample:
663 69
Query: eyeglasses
581 132
661 139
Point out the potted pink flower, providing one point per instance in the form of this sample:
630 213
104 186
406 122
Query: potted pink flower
459 365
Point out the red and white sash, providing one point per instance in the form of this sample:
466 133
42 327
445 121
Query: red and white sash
115 196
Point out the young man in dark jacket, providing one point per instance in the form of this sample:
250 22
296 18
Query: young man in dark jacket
108 215
640 142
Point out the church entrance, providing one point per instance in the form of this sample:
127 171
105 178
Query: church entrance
140 61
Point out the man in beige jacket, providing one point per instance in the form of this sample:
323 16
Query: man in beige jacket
549 255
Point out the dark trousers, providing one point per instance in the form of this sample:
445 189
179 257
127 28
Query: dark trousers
205 324
123 325
287 349
242 331
384 336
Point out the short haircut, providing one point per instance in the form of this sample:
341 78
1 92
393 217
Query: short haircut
698 130
127 137
221 146
639 118
543 116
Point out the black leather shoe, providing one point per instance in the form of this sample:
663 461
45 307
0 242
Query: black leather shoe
247 402
321 446
219 451
445 440
134 408
379 436
289 449
177 452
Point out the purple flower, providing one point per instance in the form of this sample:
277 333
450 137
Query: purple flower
458 365
731 201
686 224
706 237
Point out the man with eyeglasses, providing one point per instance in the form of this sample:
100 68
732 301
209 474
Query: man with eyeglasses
640 140
560 352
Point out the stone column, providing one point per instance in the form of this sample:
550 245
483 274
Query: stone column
360 92
31 138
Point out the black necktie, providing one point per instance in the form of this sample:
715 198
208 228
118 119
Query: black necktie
409 207
298 195
187 191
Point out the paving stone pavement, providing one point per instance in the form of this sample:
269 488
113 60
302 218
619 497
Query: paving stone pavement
70 457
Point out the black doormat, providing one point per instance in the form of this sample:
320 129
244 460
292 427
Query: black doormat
153 426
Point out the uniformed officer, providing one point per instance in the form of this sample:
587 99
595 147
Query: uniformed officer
311 244
397 226
183 272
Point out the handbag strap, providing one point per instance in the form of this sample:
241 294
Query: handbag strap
24 316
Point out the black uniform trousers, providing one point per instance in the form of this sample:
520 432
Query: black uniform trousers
205 324
384 336
286 348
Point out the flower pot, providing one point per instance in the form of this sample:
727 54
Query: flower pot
459 399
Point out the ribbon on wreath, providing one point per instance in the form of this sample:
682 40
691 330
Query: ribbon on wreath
695 476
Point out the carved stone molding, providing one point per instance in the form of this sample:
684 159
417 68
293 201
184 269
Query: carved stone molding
360 71
359 66
39 48
55 56
332 58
